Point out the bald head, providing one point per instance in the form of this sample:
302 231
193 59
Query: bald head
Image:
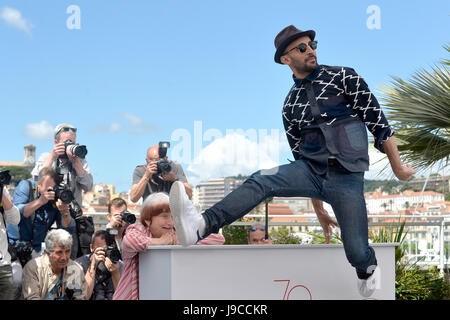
153 154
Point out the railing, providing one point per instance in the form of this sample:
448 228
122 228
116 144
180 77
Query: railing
439 223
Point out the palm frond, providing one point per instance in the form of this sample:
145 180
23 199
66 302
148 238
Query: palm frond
419 112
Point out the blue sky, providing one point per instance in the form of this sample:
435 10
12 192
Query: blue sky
137 72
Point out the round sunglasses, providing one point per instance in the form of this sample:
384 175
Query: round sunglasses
302 47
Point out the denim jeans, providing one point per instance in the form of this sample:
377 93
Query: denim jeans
342 189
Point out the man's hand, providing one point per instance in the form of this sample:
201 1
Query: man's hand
58 150
116 220
99 255
325 220
112 267
401 171
151 169
327 224
404 172
72 158
47 196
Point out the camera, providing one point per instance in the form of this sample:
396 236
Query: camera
163 165
73 290
111 252
5 178
77 150
128 217
21 251
63 192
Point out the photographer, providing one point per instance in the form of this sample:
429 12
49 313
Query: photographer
119 218
101 268
39 210
257 235
68 159
153 177
74 168
11 215
53 275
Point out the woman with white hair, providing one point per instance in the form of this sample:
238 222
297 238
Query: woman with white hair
156 227
53 275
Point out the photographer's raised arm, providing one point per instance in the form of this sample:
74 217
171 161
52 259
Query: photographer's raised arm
78 166
58 149
140 182
84 177
137 190
32 206
66 219
12 214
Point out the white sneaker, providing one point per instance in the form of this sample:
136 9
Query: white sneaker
367 287
188 221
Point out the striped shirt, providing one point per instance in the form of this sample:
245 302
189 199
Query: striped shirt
137 238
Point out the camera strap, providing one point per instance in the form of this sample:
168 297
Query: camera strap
32 194
2 211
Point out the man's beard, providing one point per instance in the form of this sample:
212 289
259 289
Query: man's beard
305 67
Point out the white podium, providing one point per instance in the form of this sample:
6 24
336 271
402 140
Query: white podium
253 272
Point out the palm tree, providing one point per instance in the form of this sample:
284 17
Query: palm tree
419 111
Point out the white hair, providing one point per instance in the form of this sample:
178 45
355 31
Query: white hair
57 237
155 199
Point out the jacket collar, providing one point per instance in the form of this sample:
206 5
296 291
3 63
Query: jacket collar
312 76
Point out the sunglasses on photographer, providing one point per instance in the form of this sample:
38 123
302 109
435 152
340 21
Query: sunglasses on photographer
67 129
262 228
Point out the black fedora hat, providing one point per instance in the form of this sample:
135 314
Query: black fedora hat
286 36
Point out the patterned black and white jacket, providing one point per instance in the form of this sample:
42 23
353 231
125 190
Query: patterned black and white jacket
346 107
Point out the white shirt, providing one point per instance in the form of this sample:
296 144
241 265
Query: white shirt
11 216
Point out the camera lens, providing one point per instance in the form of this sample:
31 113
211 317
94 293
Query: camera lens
128 217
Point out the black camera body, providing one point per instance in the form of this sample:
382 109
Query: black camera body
21 251
76 149
111 252
128 217
5 178
63 192
163 165
73 290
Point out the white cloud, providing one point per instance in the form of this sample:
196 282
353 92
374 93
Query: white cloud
138 127
14 18
39 131
131 119
114 127
111 128
236 154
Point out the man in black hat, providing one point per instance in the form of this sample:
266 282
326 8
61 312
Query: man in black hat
325 116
